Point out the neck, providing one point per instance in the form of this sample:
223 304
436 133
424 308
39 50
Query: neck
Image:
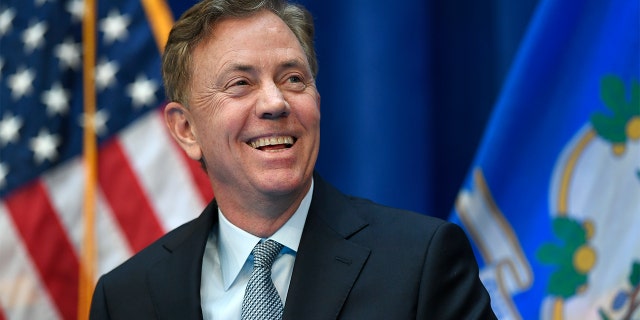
261 217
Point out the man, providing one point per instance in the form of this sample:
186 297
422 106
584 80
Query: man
241 81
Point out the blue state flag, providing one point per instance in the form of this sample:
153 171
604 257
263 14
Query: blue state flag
552 201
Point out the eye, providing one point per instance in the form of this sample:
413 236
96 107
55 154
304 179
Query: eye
294 82
294 79
236 81
241 82
238 87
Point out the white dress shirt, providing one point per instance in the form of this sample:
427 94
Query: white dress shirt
227 263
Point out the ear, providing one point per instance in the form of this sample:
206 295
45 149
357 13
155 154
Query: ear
178 120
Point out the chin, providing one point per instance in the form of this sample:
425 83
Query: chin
282 183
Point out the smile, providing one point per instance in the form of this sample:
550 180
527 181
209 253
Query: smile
272 143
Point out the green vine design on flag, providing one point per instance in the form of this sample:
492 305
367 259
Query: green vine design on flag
630 298
623 122
573 257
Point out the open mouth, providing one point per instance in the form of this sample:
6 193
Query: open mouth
272 143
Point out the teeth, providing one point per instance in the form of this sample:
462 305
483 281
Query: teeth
262 142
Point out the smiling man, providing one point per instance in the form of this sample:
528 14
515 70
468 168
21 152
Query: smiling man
278 241
253 117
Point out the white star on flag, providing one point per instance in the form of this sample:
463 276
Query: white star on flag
56 99
6 17
9 127
99 121
44 146
106 74
69 54
33 37
21 82
142 92
76 10
114 26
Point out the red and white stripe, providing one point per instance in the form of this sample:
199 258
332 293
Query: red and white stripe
147 186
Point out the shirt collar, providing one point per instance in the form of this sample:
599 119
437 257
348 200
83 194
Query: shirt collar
235 245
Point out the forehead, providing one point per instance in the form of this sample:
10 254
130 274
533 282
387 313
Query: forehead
236 37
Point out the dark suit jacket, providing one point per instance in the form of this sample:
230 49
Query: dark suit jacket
356 260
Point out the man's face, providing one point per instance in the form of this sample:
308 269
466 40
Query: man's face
254 109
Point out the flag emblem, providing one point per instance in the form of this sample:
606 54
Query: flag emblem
595 196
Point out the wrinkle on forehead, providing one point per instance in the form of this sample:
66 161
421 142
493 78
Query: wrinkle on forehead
257 23
256 43
260 21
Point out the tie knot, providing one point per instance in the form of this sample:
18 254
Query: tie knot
265 253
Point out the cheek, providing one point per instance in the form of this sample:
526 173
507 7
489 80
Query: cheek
218 129
307 108
310 116
204 128
209 116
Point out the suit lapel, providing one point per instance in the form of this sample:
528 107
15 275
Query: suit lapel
326 268
174 296
327 264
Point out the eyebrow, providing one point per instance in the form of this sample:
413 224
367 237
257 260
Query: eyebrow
292 63
239 67
222 73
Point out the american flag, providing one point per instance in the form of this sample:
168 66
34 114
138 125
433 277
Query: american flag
145 184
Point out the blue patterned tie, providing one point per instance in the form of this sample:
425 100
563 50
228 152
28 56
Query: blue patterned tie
261 300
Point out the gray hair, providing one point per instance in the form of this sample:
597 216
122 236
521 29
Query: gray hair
195 23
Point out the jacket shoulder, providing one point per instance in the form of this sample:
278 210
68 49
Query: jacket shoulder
133 268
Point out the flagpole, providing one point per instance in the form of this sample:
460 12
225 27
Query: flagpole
89 253
160 19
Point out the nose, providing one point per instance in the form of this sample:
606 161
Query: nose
272 104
